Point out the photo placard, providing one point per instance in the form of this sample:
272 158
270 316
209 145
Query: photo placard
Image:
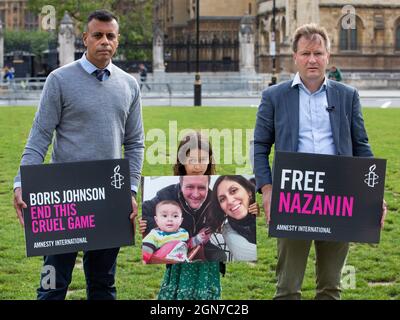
199 218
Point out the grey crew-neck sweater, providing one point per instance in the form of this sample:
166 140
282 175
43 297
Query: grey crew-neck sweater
92 120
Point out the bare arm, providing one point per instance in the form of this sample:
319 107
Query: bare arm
266 196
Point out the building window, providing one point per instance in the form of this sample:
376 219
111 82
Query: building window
348 39
31 21
398 37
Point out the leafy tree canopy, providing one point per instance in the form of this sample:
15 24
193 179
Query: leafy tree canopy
31 41
135 19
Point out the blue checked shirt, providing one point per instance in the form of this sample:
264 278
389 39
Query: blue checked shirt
315 132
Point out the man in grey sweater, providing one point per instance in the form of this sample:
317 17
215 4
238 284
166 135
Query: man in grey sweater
95 109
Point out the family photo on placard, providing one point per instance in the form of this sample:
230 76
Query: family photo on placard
223 228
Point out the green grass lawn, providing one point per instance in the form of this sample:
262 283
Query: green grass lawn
377 266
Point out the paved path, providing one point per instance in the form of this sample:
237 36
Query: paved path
254 102
369 98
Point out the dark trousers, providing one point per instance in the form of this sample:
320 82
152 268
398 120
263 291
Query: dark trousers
292 261
99 267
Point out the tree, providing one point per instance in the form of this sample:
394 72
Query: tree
136 28
77 9
135 20
31 41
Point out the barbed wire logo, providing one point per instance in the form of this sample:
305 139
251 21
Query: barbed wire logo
117 178
371 177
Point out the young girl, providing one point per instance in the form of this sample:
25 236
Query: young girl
197 280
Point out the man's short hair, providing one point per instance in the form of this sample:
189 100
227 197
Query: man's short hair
101 15
181 180
310 31
164 202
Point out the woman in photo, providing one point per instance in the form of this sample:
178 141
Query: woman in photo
231 200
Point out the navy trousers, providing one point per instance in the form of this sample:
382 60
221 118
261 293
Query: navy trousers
99 267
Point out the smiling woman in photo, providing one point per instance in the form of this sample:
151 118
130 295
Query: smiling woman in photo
231 200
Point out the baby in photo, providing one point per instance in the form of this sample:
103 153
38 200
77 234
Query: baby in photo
169 241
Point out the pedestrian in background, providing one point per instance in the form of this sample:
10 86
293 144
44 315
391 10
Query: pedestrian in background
335 74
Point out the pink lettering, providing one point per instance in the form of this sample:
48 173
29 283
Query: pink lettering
65 210
300 203
348 206
308 197
40 212
48 225
317 205
338 204
329 205
284 202
296 203
35 226
81 222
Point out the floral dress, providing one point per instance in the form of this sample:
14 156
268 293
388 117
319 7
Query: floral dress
191 281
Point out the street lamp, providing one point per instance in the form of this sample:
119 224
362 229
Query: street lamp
197 80
272 46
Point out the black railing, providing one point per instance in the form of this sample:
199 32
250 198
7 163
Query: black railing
215 56
205 66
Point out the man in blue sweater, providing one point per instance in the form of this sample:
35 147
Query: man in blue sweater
94 108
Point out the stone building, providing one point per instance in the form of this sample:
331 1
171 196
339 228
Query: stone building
365 36
15 15
220 18
219 32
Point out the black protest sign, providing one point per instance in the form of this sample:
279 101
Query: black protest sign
323 197
76 206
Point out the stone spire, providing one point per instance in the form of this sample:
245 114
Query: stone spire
66 40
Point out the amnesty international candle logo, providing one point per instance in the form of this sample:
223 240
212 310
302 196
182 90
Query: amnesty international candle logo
71 208
371 177
323 197
117 178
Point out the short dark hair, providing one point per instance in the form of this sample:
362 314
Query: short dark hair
181 178
102 15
